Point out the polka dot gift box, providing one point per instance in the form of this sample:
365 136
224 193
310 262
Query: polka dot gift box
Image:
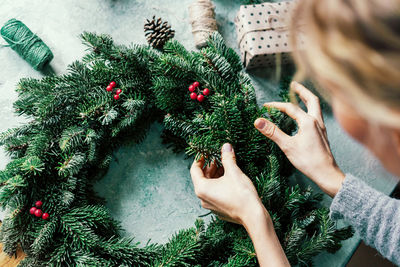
263 33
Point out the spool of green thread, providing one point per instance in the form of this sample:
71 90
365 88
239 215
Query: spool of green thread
27 44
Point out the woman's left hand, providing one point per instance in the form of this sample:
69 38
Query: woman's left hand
226 191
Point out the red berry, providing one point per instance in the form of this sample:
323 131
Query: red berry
38 213
193 96
118 91
32 210
196 84
200 98
38 204
192 88
109 88
116 97
45 216
112 84
206 91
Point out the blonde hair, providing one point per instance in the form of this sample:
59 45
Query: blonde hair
354 46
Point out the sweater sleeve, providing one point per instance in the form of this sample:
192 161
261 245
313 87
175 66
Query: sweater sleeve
375 216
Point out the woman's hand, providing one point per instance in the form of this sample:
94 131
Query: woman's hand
230 194
226 191
308 150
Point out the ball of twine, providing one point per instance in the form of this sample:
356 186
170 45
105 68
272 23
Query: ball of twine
202 18
27 44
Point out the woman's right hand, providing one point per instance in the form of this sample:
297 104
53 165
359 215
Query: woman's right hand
309 149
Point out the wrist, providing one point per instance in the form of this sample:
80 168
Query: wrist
256 217
266 243
331 181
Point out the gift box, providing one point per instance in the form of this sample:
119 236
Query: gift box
263 33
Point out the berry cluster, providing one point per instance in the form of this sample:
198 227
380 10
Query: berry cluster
196 87
38 212
111 87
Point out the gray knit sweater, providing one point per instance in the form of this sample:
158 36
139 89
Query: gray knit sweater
375 216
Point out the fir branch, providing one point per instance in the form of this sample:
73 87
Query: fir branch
180 249
32 165
72 164
108 116
7 135
71 138
45 237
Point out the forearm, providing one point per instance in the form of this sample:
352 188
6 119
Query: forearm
375 216
268 249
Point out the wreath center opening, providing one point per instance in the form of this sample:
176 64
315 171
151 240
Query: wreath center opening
148 189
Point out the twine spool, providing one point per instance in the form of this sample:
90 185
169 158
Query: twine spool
27 44
202 18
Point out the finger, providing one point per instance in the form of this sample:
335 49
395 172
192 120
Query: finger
270 130
293 111
228 157
197 174
206 205
224 218
310 100
210 170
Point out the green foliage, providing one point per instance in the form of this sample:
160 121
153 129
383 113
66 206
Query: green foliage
76 124
181 249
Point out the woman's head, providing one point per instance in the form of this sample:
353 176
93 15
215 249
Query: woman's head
352 50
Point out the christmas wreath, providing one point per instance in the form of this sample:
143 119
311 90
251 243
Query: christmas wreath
112 95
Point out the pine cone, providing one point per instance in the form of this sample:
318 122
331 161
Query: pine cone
157 32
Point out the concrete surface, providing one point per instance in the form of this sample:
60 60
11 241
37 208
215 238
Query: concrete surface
148 187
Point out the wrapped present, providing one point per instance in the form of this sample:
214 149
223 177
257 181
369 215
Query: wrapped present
263 33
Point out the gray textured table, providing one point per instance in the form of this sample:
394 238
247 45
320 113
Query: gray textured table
148 187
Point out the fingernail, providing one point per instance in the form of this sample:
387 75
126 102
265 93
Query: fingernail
227 147
259 123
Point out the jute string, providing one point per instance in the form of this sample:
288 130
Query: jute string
202 18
